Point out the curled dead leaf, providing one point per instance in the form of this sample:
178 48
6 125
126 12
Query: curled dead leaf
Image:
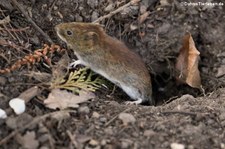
187 63
221 71
63 99
29 140
4 21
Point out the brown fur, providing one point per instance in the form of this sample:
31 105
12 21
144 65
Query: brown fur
108 56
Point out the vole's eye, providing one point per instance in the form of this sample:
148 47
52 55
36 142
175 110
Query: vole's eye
69 33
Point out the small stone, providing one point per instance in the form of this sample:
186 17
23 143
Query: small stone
92 3
55 8
127 118
109 131
42 129
150 25
149 133
84 110
109 8
78 18
93 142
223 123
95 115
82 138
94 16
3 114
177 146
126 143
190 147
18 105
103 142
222 116
164 28
44 147
103 119
11 123
2 80
35 40
164 2
133 27
43 138
221 71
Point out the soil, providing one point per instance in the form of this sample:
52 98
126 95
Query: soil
183 117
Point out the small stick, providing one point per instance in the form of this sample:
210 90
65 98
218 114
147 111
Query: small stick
180 112
72 138
112 119
21 9
132 2
34 121
16 30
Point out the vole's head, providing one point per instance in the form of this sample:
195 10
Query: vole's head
82 35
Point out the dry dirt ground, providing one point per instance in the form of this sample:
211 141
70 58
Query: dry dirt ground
183 118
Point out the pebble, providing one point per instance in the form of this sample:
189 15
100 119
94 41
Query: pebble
177 146
2 80
149 133
127 118
3 115
109 8
93 142
103 119
94 16
103 142
84 110
92 3
95 115
108 131
18 105
126 143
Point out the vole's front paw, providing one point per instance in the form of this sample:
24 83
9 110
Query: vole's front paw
74 63
136 102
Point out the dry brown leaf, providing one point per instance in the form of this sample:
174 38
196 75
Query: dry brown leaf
39 76
3 42
4 21
221 71
63 99
187 63
58 71
28 141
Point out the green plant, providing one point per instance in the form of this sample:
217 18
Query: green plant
81 79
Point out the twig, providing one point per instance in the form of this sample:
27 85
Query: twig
34 121
72 139
26 96
14 37
180 112
16 30
21 9
112 119
132 2
49 16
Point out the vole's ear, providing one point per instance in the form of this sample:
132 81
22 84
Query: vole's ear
91 36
